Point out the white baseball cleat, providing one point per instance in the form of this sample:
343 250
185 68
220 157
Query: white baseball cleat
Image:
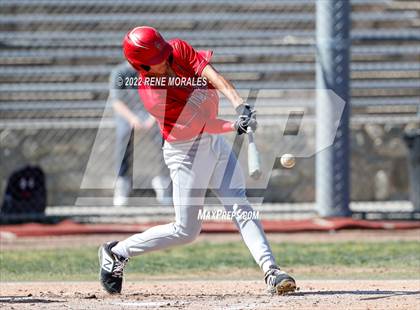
279 282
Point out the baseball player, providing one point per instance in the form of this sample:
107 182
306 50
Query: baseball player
194 151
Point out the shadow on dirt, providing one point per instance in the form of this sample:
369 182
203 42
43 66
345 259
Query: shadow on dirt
26 299
380 294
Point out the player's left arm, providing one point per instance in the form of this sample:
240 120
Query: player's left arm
223 85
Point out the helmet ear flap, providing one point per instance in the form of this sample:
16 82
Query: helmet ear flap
145 67
139 67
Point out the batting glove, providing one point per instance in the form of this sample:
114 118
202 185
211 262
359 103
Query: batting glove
243 122
244 109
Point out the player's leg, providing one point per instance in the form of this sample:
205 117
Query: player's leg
190 173
191 165
184 229
228 183
114 255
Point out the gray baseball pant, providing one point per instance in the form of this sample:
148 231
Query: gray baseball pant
195 165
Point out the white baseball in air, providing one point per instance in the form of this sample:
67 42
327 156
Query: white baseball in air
288 161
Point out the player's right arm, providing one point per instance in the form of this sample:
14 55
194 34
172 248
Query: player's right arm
202 67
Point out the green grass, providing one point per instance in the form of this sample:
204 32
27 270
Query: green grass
223 260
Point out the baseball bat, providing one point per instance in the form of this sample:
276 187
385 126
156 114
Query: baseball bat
254 167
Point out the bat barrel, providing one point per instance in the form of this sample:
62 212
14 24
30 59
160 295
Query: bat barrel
254 167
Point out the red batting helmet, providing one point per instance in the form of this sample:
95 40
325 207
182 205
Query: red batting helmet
145 46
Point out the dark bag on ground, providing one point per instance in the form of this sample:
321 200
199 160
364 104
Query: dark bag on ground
25 192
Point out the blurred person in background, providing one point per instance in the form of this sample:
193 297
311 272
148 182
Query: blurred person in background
130 116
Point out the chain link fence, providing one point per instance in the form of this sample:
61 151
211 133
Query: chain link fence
57 58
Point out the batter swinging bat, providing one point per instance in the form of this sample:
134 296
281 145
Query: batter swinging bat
254 169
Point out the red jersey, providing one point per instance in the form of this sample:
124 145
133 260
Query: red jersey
184 110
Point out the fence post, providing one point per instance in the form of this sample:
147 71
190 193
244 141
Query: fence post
332 73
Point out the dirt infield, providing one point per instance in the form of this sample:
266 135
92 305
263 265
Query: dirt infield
212 295
223 291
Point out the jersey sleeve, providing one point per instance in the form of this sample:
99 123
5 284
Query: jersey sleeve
218 125
197 60
197 123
